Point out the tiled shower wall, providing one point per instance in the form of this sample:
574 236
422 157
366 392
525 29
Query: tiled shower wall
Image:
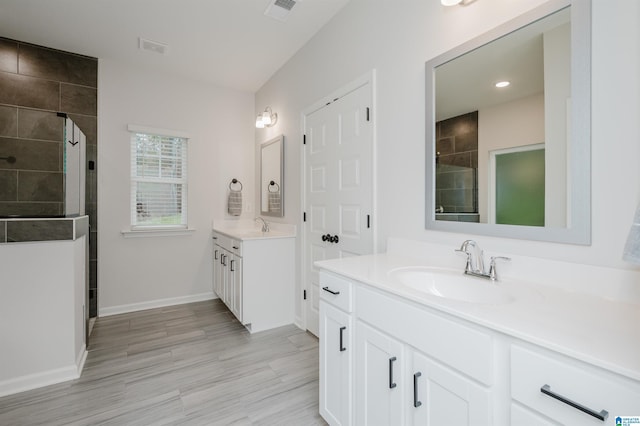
457 164
35 84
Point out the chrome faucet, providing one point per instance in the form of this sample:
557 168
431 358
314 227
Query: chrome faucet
265 224
475 261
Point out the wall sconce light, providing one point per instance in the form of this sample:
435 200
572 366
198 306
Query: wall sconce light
266 119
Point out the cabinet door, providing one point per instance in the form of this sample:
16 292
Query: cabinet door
440 396
228 280
216 271
379 378
221 274
336 361
235 285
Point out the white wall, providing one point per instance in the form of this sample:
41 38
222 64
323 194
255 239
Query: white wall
136 273
396 41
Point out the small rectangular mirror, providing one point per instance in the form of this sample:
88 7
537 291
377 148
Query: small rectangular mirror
272 177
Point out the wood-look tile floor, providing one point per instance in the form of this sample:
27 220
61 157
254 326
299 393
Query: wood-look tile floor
190 364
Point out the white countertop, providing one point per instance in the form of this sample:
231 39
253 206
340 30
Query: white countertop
248 230
599 331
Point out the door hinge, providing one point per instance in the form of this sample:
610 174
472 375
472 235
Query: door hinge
368 221
304 139
367 113
304 216
304 294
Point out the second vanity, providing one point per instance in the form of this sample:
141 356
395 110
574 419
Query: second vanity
253 273
394 353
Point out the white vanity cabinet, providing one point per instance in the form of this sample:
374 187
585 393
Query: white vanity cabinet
254 277
336 350
416 364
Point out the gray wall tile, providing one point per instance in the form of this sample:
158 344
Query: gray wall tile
56 65
31 154
8 185
8 121
78 99
40 186
39 230
29 91
8 55
31 209
88 125
35 124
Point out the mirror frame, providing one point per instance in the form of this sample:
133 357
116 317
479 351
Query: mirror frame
263 145
578 230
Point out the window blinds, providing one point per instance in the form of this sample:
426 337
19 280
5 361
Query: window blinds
158 181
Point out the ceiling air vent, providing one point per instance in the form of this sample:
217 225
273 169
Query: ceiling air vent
279 9
153 46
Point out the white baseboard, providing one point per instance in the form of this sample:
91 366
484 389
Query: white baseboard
38 380
159 303
81 359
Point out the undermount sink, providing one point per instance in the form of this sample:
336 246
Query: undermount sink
450 284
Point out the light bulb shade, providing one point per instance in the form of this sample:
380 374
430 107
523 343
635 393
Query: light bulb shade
259 122
450 2
266 118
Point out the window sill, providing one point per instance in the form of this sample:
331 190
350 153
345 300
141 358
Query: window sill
157 232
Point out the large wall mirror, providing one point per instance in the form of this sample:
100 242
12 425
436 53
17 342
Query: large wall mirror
508 129
272 177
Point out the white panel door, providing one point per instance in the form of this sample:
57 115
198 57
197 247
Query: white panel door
338 190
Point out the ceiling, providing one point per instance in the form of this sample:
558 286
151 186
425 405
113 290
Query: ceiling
227 43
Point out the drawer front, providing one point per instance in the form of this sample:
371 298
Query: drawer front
235 246
336 291
230 244
577 383
466 349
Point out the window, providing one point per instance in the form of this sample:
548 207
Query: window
158 180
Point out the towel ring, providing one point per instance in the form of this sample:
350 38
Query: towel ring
234 181
272 183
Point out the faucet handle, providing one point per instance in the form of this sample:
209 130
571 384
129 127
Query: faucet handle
492 266
468 268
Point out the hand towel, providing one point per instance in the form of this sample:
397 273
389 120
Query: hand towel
234 204
275 202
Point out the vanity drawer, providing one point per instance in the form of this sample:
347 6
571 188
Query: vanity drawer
230 244
336 291
235 246
465 348
579 383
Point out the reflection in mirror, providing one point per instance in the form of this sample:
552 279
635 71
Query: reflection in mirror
507 129
271 177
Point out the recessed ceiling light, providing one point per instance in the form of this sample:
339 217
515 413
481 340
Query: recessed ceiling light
502 84
450 2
